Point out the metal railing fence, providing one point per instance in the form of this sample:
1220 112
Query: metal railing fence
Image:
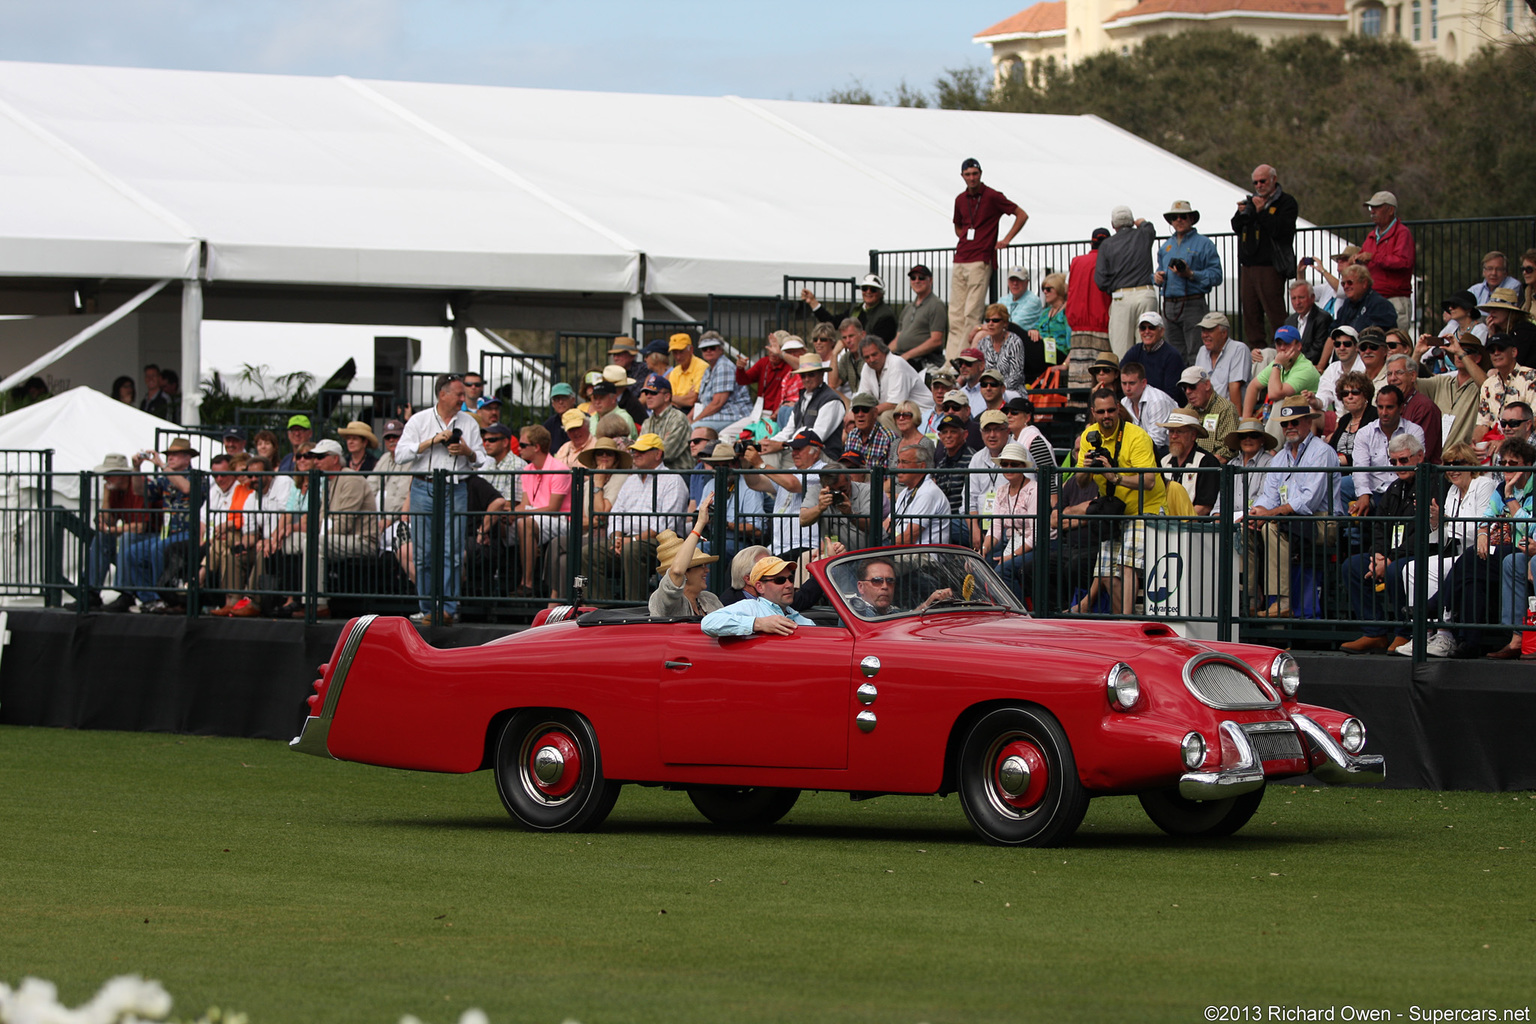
1448 257
381 540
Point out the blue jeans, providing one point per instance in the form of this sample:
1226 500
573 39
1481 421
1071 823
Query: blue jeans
145 563
1512 588
1370 603
105 548
1016 573
451 543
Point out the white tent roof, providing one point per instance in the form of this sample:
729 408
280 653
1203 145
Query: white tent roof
123 172
81 426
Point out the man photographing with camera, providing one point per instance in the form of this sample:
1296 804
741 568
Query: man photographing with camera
1104 453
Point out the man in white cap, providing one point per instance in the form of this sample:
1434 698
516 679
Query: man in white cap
1388 252
1024 305
978 210
771 584
1125 271
1163 363
722 401
1217 415
1195 468
1188 267
872 312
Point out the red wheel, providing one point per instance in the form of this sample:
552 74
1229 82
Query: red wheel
1018 779
549 773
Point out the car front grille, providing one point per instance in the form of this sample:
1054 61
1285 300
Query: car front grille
1274 744
1222 684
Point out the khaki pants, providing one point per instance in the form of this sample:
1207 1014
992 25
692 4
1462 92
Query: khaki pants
967 298
234 568
1125 308
1268 564
1404 306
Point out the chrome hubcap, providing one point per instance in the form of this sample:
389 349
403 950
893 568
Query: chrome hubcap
548 765
1013 775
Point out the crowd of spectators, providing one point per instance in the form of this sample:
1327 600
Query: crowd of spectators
1334 404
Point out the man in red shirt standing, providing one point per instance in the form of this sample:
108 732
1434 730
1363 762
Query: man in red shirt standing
977 212
1087 313
1388 253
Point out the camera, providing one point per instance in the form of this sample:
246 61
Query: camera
145 455
1178 265
742 445
454 437
1096 449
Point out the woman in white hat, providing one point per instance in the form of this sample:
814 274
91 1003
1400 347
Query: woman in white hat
1010 541
684 572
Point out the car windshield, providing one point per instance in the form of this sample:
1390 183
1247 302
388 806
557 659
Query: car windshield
913 581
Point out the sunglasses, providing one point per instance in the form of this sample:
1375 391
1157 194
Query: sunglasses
1047 288
698 440
649 391
991 383
900 415
882 581
1370 346
474 383
1347 392
1401 462
1011 465
1146 327
1512 424
996 320
1344 343
867 288
918 277
1528 270
780 579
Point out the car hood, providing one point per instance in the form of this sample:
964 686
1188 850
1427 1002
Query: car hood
1112 639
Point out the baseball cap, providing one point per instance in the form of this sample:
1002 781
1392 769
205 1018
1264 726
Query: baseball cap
768 565
970 355
950 421
1215 319
298 421
1287 335
863 400
678 342
392 428
656 382
604 387
993 416
1193 375
1019 404
1018 273
990 374
805 439
959 398
1382 198
562 390
488 400
1344 329
1150 317
234 434
328 447
572 418
497 430
647 442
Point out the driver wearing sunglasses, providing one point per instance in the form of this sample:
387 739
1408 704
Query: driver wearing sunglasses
772 584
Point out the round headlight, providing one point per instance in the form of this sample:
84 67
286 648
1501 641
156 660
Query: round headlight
1193 749
1352 735
1123 686
1286 674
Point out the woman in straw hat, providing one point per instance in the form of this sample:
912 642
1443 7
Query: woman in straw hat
1252 447
359 439
1010 541
684 572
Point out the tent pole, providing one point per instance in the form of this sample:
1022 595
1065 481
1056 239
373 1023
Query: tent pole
458 343
191 351
634 309
66 347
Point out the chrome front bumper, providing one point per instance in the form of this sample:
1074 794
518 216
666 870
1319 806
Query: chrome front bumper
1246 773
316 729
1339 765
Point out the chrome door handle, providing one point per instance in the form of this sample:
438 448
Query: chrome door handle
678 664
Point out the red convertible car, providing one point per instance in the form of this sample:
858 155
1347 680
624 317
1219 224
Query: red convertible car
922 675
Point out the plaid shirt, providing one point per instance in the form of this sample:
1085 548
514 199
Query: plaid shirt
722 377
876 448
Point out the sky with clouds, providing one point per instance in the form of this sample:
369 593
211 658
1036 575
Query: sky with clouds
790 49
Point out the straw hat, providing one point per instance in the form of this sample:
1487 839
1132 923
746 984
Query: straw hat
1186 417
667 543
1250 428
113 463
357 428
1503 298
588 456
181 444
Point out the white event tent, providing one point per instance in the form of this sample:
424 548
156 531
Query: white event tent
266 197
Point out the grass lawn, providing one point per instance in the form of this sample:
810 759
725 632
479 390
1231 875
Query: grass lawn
245 876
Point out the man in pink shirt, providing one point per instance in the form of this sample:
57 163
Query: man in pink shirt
546 495
1389 255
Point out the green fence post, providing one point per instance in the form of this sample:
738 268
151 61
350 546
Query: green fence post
440 541
877 507
312 520
1228 548
575 537
1421 499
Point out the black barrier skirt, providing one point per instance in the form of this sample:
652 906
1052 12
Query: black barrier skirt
1444 725
154 673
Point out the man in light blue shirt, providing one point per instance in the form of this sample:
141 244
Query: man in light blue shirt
1283 498
1188 267
772 581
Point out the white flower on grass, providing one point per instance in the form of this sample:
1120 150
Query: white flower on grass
125 998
